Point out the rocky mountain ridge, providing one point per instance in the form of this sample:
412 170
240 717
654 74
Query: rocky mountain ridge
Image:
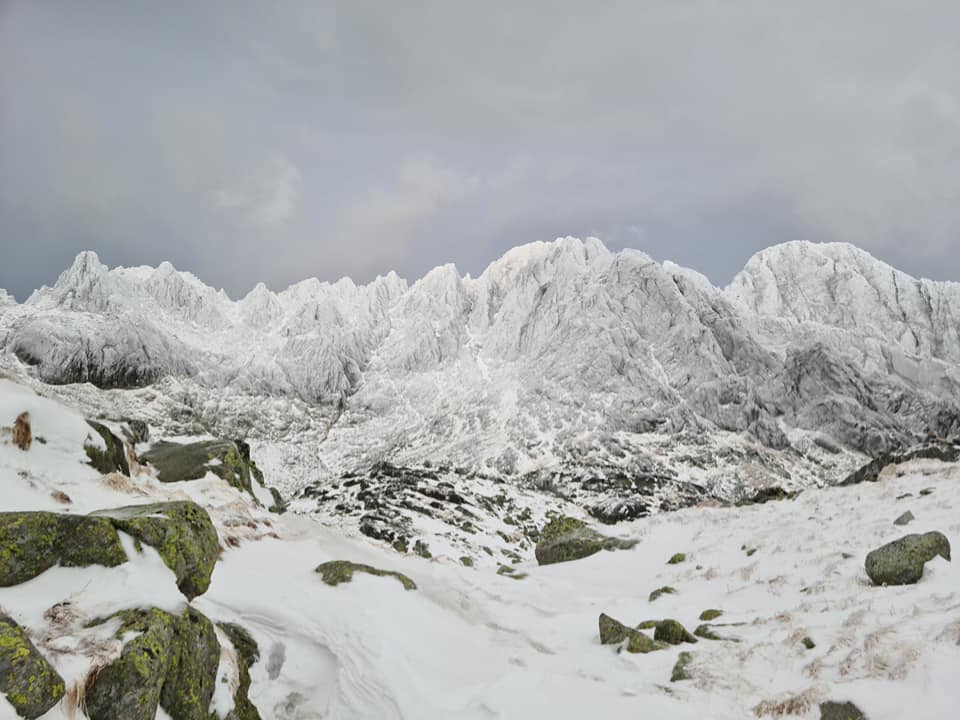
562 362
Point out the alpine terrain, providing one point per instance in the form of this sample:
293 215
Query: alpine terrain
582 484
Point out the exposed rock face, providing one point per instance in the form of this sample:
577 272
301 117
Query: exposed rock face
32 542
228 459
901 561
671 631
30 683
181 532
113 458
871 471
840 711
564 539
680 668
341 571
171 663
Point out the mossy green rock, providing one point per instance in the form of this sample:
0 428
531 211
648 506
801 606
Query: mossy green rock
228 459
665 590
130 687
708 615
248 653
32 542
171 662
29 682
181 532
706 632
901 561
671 631
565 538
612 631
191 679
109 460
677 558
340 571
640 643
840 711
681 667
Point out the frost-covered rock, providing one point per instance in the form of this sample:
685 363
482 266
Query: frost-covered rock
561 360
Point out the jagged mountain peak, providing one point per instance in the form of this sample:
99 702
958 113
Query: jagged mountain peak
555 344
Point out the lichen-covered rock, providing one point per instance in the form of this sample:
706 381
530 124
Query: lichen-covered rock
665 590
181 532
109 460
90 541
840 711
131 685
638 642
706 632
712 614
677 558
29 682
32 542
612 631
177 462
228 459
901 561
248 653
671 631
565 538
335 572
192 677
168 661
681 667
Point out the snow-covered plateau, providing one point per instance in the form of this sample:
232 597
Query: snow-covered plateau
193 461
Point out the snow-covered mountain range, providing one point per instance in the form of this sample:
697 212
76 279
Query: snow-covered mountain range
560 360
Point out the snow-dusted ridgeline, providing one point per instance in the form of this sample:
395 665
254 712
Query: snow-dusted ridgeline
559 354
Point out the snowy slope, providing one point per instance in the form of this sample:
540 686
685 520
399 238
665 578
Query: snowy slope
472 644
562 360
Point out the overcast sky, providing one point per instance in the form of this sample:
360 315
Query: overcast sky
273 141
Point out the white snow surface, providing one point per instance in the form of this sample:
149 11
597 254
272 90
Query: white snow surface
469 643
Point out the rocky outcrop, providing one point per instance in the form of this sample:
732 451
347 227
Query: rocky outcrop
565 538
228 459
901 562
613 632
181 532
840 711
33 542
341 571
170 662
672 632
29 682
107 460
871 471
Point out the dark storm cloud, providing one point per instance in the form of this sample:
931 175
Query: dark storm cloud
250 141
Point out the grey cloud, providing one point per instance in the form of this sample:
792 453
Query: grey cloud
249 141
